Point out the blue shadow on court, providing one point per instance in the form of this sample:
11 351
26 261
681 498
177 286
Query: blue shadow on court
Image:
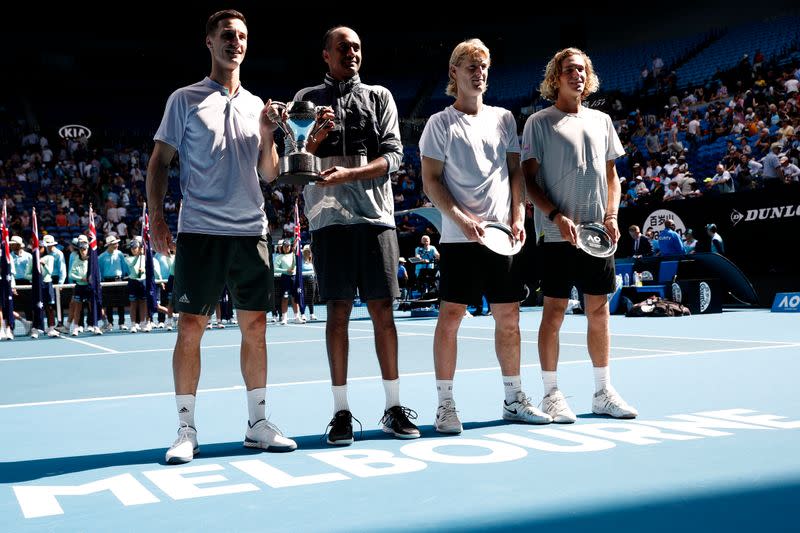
22 471
769 508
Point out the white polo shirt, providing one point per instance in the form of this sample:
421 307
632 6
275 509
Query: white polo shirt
217 138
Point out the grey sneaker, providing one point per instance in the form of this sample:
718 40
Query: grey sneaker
521 410
185 446
447 418
266 436
555 405
609 402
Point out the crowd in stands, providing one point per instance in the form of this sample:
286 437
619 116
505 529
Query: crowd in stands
735 133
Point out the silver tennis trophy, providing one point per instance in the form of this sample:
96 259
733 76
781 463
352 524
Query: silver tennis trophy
593 238
298 166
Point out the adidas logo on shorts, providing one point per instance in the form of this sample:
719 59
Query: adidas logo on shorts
184 299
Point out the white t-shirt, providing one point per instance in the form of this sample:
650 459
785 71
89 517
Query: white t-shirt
217 138
572 150
473 149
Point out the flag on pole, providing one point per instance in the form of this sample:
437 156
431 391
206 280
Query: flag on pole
93 274
37 302
5 273
150 279
298 270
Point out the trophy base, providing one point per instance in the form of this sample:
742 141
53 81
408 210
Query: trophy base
299 168
298 178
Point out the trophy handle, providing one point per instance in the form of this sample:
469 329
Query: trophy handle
278 118
318 110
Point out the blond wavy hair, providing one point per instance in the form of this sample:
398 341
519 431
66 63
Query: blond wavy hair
473 49
549 86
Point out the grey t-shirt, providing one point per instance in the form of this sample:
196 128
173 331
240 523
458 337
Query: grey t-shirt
474 150
572 150
217 139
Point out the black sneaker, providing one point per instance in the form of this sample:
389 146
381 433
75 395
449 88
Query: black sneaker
396 421
341 429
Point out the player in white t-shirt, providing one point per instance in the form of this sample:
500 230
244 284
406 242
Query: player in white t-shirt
568 154
471 172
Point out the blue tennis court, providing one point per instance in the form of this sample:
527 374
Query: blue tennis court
85 423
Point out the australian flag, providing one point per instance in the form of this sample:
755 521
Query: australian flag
5 273
298 270
93 273
150 274
37 302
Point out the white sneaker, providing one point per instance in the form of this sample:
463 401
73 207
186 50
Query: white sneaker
9 334
80 329
284 320
209 326
266 436
52 332
160 325
108 327
555 405
147 327
35 333
96 330
123 327
299 319
135 328
2 333
521 410
609 402
73 331
220 325
168 324
313 317
447 418
185 446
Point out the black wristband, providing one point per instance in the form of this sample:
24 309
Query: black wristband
553 214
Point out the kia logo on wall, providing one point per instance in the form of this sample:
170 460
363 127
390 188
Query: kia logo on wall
74 131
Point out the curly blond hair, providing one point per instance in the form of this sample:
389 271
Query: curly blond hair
549 86
471 48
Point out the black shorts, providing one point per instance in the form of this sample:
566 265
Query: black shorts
469 270
205 263
563 266
48 293
82 293
359 256
136 291
288 287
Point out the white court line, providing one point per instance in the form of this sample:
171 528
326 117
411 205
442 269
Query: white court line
273 343
95 346
370 378
616 334
491 339
153 350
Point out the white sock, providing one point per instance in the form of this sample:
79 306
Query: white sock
185 403
256 405
392 389
550 381
444 388
513 385
602 378
340 398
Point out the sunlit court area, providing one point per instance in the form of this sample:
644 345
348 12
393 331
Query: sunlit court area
496 273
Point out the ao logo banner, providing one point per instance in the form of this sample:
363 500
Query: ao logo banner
655 221
786 302
74 131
